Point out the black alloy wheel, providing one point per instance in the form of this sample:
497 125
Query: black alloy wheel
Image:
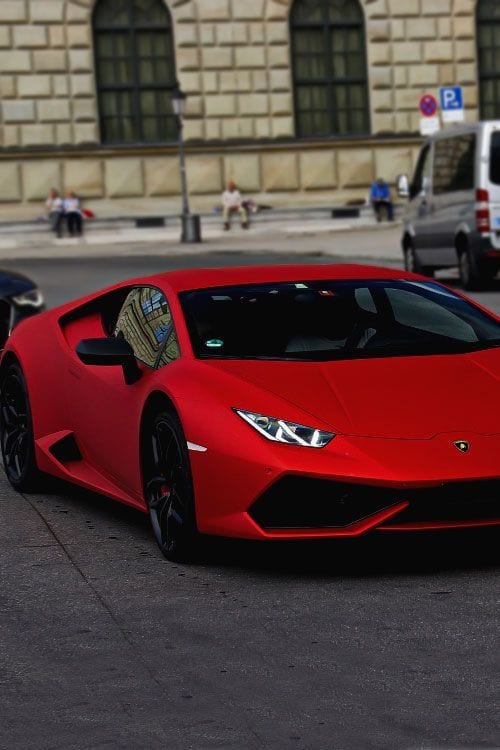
16 431
168 488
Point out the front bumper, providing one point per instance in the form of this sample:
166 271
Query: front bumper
353 486
302 503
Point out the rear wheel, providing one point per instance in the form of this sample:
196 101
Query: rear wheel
412 261
474 275
168 488
16 431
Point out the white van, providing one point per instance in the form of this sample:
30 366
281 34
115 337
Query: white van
453 214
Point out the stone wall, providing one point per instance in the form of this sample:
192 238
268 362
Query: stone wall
320 173
233 60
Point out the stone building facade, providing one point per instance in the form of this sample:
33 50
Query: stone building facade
233 60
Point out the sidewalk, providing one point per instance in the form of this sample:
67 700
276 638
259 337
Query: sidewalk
288 231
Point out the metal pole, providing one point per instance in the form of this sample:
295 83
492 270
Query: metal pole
190 223
182 160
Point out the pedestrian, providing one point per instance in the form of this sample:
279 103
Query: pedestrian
232 202
73 214
55 210
380 198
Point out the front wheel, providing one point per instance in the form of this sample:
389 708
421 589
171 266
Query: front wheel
412 262
16 431
168 488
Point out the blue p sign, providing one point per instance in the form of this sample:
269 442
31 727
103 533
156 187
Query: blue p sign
451 98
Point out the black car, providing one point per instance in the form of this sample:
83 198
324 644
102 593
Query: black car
19 298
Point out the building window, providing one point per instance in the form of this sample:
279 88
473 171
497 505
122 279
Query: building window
488 55
135 70
329 68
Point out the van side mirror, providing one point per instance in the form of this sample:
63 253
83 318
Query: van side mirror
403 186
110 352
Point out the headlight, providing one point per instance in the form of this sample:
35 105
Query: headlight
286 432
34 298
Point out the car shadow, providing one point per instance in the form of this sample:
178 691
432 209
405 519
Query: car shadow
375 555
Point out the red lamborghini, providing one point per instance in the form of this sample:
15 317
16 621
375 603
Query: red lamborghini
282 402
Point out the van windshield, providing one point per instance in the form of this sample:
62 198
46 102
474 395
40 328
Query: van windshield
495 158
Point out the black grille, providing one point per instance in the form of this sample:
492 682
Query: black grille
300 502
454 502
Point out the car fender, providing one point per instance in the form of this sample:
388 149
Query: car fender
34 343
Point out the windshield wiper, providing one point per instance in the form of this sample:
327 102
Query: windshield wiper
406 349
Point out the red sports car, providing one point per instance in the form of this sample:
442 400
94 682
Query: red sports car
283 402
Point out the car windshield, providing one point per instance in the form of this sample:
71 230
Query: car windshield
331 320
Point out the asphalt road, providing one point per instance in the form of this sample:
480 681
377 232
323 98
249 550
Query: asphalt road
63 279
383 643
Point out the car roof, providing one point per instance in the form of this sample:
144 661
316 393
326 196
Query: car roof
204 278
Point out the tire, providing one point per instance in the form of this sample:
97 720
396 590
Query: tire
16 432
473 276
412 261
168 488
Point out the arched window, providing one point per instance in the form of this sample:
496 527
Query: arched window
135 70
329 68
488 55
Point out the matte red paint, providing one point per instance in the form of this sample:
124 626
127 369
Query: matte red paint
395 418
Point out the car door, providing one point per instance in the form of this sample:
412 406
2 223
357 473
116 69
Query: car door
106 411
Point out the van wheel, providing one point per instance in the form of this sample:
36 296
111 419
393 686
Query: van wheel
412 261
471 275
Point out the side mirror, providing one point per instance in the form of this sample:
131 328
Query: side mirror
403 185
110 352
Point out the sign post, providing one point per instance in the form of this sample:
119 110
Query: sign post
429 122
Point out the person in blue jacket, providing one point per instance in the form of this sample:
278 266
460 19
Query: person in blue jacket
380 198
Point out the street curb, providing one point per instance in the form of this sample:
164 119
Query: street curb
133 242
138 251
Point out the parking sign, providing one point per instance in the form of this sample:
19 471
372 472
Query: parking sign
452 103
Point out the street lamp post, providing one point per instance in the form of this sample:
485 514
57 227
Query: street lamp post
191 231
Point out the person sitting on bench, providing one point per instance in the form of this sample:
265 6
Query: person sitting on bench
73 214
55 209
380 198
231 202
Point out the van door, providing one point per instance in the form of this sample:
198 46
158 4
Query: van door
420 194
453 200
491 181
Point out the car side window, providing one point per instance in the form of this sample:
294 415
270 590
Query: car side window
145 321
422 171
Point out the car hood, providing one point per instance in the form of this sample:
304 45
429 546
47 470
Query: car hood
394 397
